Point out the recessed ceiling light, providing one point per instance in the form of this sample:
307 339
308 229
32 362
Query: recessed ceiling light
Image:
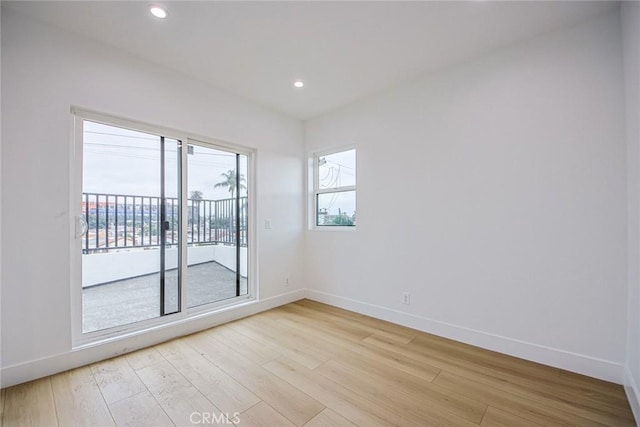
158 12
298 84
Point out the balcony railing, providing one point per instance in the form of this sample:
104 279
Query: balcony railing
117 221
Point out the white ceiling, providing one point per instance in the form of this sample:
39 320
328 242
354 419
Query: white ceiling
342 50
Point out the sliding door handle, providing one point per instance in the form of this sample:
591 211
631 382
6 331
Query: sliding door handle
81 226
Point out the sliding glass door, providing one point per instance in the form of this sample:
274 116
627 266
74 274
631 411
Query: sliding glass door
163 226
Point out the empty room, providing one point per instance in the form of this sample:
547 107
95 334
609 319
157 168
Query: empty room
320 213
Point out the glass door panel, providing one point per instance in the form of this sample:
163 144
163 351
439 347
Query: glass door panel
170 227
217 191
123 195
243 227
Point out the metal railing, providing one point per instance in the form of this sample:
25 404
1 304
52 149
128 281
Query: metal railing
116 221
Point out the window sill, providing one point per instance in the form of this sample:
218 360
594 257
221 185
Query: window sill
333 228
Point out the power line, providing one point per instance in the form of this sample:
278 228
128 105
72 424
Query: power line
148 148
157 158
341 165
123 136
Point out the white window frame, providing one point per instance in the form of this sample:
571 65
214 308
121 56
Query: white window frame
80 339
316 190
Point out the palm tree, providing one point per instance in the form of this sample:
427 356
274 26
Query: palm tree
230 181
196 197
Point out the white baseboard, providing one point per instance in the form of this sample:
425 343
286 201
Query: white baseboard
582 364
27 371
631 389
597 368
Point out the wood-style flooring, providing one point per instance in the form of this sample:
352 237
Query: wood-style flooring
310 364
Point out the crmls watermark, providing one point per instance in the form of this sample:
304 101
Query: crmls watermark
223 418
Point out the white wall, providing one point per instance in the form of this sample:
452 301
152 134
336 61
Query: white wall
503 180
226 256
0 188
630 14
44 72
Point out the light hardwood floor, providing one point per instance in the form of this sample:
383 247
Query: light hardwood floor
310 364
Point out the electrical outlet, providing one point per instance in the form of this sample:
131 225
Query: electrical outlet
267 224
406 298
286 282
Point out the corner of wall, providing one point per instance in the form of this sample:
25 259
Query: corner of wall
0 186
631 390
630 31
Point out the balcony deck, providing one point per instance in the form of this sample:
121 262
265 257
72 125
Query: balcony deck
138 298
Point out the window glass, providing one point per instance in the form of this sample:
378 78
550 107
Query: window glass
337 170
335 189
337 209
